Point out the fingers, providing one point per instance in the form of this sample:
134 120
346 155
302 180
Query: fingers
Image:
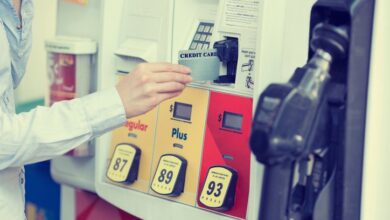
169 87
165 96
165 67
172 77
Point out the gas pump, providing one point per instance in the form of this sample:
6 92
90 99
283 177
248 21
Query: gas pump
291 130
302 130
202 126
71 72
190 158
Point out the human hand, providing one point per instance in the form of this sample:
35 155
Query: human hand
149 84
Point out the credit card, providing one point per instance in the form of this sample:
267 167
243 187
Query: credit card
203 63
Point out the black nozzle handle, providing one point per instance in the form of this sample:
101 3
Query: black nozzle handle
276 191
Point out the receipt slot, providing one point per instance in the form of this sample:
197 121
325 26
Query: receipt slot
178 146
225 169
135 137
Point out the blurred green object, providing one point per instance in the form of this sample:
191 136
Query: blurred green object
27 106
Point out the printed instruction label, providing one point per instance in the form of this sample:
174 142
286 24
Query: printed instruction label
247 63
241 13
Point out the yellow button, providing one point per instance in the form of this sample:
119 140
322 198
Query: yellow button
218 191
169 177
124 164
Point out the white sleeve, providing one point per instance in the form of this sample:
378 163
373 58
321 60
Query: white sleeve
44 133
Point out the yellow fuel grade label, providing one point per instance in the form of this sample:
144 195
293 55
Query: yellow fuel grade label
121 163
169 176
218 188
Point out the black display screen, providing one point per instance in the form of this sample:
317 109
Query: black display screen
182 111
232 121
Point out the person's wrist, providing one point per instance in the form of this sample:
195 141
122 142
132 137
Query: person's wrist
121 95
104 110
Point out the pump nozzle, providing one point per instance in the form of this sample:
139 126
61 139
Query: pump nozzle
290 124
286 113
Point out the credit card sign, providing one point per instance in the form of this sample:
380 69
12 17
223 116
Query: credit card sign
204 64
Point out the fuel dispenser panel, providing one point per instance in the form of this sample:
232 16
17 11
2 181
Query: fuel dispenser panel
225 170
138 134
178 146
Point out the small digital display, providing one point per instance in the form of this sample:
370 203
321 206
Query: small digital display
232 121
182 111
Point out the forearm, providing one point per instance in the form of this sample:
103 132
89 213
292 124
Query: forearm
47 132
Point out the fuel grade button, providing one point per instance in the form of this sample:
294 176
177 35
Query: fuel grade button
124 164
170 175
219 189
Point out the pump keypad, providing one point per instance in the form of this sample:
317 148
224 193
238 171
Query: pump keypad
169 177
201 39
124 164
218 191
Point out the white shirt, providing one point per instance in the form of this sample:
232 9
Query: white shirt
43 133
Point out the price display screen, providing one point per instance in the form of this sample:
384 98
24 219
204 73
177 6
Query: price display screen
232 121
182 111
